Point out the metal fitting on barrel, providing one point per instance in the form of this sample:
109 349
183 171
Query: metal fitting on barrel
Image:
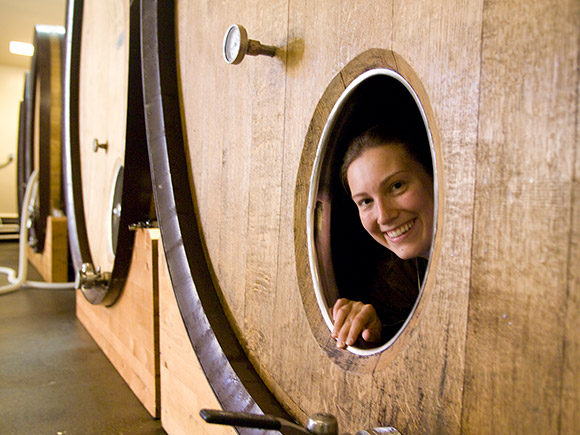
90 278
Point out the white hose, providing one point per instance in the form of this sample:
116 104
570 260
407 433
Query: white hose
19 281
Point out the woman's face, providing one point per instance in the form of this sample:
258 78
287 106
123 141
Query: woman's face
394 196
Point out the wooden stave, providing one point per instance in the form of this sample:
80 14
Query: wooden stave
525 295
452 425
45 148
232 377
137 192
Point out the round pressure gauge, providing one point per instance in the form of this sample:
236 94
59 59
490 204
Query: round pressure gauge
235 44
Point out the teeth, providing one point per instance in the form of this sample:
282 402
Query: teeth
401 230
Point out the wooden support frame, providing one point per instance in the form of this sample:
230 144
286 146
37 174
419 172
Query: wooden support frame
52 262
184 387
128 332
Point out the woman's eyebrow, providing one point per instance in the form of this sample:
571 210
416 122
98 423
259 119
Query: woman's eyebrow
384 181
390 177
359 194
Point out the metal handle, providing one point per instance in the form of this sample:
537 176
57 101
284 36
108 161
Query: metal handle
320 423
242 419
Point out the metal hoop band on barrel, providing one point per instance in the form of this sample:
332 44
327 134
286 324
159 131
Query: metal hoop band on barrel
234 381
43 136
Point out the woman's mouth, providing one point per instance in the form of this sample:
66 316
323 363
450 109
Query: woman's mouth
397 232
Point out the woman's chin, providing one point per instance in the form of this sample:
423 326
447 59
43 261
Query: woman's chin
410 252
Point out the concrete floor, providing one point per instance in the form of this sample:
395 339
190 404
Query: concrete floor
54 379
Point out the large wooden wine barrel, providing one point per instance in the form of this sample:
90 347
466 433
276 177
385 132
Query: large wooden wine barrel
493 344
107 170
41 141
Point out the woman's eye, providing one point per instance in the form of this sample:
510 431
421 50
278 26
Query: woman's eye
397 186
364 202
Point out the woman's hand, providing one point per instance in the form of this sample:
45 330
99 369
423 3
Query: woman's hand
351 319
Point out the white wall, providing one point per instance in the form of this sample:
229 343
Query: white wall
11 90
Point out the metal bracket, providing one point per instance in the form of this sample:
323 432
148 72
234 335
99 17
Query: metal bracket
90 278
97 145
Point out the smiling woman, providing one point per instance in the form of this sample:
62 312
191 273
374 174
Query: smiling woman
373 180
392 185
391 182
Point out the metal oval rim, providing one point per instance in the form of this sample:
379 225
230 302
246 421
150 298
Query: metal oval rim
313 193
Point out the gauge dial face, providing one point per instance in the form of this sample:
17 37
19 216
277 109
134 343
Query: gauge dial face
232 44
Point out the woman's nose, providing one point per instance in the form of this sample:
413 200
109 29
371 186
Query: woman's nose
386 212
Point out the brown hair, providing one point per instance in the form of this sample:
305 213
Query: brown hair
414 145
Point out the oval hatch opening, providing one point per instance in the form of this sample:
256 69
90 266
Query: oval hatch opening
345 261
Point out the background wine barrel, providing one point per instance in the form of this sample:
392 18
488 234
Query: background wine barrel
495 344
44 135
108 182
24 160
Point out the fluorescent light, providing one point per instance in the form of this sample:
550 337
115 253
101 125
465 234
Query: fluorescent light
21 48
50 29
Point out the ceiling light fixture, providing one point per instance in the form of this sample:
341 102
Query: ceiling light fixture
21 48
50 29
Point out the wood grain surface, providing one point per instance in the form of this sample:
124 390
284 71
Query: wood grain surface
523 293
52 263
184 387
128 332
495 343
102 103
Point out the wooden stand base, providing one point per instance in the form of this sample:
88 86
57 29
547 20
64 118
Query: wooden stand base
184 387
52 263
128 331
144 337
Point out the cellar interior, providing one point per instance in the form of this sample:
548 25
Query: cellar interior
333 218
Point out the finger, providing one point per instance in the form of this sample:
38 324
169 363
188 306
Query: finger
339 318
358 324
343 332
371 335
341 311
351 327
338 305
